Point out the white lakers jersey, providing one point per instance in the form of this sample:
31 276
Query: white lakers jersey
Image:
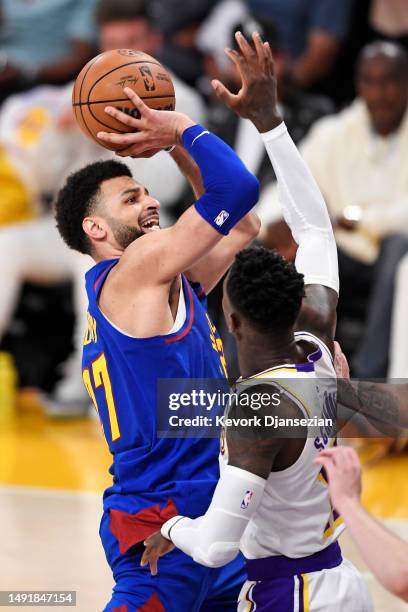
295 517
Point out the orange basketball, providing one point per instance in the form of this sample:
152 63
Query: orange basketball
100 83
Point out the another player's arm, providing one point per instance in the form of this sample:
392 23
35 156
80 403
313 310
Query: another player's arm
213 539
303 206
384 405
306 214
211 268
230 191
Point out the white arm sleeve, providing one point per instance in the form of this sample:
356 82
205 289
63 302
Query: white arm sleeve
213 539
304 210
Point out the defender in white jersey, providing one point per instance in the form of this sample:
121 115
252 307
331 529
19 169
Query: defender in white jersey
272 501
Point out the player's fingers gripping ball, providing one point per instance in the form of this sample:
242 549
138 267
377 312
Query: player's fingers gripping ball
101 82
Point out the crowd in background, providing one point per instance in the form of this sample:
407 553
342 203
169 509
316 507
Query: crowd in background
342 70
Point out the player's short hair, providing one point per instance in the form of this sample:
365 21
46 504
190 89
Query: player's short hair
120 10
78 198
265 289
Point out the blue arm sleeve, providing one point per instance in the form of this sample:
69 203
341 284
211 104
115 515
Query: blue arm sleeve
230 189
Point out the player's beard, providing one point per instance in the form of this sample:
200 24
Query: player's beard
124 234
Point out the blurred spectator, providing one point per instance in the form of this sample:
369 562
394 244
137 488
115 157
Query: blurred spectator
43 41
34 251
358 158
15 202
312 30
179 22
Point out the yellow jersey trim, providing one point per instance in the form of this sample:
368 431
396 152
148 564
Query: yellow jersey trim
305 592
330 530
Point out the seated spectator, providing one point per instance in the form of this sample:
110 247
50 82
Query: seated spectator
358 158
34 251
43 42
312 30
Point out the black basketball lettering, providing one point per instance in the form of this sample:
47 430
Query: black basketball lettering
132 112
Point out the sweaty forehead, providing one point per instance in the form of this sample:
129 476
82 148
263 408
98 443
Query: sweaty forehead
114 188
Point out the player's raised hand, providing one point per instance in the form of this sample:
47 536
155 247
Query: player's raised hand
156 546
150 130
257 98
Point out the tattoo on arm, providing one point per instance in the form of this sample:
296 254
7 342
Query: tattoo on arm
372 400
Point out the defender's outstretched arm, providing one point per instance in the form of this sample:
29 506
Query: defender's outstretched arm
303 206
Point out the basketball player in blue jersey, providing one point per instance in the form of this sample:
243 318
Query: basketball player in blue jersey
147 320
272 501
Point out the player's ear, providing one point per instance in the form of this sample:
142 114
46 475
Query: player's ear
233 323
94 228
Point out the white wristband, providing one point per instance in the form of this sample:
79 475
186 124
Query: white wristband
275 133
166 527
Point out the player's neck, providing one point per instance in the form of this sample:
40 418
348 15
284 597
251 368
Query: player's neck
108 252
257 352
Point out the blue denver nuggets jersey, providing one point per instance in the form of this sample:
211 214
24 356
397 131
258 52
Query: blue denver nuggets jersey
120 373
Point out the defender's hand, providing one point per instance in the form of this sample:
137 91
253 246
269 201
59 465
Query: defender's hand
343 469
153 131
341 365
156 547
257 98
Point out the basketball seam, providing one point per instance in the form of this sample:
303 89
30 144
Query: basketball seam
121 100
106 125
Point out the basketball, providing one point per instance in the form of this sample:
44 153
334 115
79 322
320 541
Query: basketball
100 83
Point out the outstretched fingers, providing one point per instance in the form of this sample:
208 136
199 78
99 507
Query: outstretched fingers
244 46
269 58
223 93
259 47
